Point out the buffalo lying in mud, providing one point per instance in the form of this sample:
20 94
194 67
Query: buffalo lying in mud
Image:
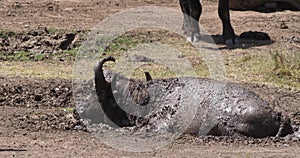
232 109
192 10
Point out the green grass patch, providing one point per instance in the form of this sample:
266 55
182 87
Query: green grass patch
71 52
69 110
33 69
39 57
128 42
64 55
17 56
278 67
123 44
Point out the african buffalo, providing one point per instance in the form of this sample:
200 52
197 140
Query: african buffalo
264 5
235 110
192 10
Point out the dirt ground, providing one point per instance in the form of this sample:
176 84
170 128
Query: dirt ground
35 120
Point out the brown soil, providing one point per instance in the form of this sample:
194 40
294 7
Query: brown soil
38 42
35 120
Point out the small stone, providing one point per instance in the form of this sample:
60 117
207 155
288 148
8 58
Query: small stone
283 25
181 56
78 127
69 9
139 58
50 7
17 5
38 98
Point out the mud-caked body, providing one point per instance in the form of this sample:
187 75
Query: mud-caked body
217 108
227 109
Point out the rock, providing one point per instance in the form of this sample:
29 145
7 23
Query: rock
283 25
139 58
69 9
66 41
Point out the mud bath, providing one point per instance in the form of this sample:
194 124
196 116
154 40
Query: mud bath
27 120
170 108
25 92
22 138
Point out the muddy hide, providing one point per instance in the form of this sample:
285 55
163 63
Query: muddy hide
186 105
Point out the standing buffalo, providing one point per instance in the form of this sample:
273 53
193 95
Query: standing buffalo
192 10
232 109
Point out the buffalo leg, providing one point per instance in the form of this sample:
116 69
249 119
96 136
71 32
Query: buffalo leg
184 4
192 10
228 32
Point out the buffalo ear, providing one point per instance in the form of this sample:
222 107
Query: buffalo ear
148 76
